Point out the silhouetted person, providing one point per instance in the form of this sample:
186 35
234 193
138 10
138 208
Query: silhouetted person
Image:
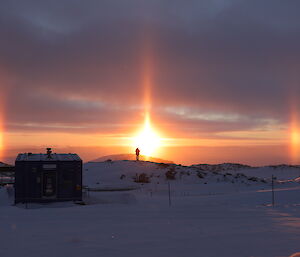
137 153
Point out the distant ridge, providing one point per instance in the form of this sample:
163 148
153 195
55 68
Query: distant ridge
221 167
200 166
238 166
2 164
129 157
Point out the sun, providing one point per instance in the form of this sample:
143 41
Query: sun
147 140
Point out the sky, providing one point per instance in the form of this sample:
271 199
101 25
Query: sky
218 79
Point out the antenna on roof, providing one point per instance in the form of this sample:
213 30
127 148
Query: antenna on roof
49 153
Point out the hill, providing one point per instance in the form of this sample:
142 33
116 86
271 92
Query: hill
129 157
204 178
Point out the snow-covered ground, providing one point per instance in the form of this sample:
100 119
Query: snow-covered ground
215 211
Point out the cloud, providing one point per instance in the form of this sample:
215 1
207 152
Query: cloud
230 65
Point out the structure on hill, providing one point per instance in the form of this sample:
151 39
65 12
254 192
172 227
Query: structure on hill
7 174
6 168
48 177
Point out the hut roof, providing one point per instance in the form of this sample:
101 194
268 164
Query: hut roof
46 157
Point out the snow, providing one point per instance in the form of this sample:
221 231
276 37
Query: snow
210 215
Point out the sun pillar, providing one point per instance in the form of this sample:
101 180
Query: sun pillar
147 81
1 135
294 138
3 81
147 78
294 129
147 140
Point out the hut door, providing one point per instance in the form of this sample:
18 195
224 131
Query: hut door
49 184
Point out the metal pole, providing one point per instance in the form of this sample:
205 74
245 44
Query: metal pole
169 187
273 198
